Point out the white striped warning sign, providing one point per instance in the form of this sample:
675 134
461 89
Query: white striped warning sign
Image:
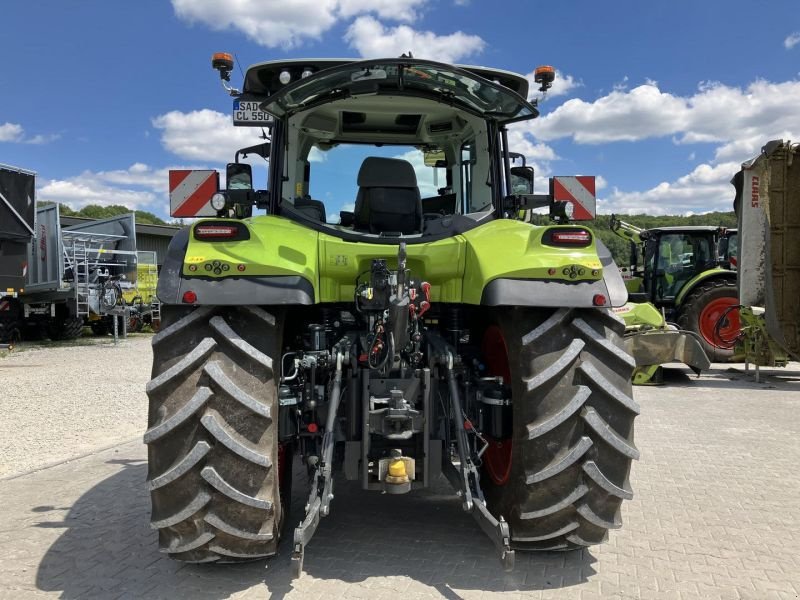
580 191
190 192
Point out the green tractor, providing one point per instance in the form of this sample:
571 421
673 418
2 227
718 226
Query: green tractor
688 273
429 330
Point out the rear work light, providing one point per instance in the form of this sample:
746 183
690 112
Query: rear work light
568 237
221 231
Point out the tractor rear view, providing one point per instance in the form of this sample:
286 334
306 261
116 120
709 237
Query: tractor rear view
428 330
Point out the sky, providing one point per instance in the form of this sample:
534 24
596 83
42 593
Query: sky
662 101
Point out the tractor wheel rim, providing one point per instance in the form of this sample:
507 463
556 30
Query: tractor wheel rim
721 335
498 454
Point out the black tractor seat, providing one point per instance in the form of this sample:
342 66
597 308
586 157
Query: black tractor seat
388 197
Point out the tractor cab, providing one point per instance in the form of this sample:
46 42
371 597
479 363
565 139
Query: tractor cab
674 256
382 150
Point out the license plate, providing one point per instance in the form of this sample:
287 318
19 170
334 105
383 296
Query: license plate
246 112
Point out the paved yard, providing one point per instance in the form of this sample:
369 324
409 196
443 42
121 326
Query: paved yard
716 515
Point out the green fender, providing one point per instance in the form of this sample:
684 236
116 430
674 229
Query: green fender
716 272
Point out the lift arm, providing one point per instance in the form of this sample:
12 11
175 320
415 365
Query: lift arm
626 231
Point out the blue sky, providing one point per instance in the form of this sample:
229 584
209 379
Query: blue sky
661 100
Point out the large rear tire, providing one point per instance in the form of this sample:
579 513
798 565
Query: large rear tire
213 434
573 415
711 312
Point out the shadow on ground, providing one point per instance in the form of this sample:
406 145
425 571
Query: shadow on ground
376 543
733 377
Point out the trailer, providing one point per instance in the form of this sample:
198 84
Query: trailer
17 227
75 276
767 203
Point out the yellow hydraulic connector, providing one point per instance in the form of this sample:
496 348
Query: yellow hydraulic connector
397 471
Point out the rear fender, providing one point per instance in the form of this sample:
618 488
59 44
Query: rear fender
273 281
715 273
549 291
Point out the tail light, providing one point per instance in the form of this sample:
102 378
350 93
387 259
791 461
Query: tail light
221 230
573 237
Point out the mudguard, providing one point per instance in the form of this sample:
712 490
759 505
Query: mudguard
529 292
260 289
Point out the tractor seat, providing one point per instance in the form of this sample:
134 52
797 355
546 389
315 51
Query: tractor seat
388 199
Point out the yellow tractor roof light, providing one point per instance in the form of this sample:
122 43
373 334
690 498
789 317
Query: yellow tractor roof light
544 75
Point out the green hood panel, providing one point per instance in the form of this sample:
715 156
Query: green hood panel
458 268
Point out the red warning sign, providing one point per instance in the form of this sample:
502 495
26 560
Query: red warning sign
190 192
580 191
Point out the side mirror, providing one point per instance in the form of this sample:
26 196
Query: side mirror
521 181
239 176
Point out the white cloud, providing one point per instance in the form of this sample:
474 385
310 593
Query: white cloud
10 132
287 24
632 115
334 218
139 187
707 188
371 39
13 132
205 135
518 141
716 113
562 85
426 183
271 23
399 10
739 121
316 155
792 40
41 138
87 188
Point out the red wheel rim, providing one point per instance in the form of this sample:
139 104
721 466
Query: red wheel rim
719 323
497 458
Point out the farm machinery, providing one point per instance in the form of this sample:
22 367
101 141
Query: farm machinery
767 204
426 329
688 274
60 279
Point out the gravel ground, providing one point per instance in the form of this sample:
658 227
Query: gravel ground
61 401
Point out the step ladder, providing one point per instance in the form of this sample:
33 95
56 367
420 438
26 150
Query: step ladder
80 275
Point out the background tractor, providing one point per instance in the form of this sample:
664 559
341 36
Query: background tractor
681 271
426 331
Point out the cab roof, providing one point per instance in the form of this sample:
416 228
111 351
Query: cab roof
262 78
